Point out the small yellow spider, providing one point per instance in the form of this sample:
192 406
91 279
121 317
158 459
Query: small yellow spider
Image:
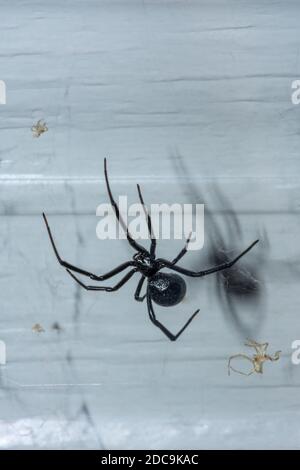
39 128
37 328
257 359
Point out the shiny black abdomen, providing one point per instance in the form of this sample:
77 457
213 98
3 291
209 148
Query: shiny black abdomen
167 289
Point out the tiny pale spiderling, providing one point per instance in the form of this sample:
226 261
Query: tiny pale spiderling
39 128
37 328
256 359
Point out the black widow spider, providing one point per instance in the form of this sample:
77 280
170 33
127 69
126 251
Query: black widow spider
165 289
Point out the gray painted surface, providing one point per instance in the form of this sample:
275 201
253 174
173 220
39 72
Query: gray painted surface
149 84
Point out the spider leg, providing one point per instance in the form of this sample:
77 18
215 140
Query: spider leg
252 344
138 290
275 356
149 222
160 325
244 356
183 251
92 276
187 272
132 242
260 348
104 288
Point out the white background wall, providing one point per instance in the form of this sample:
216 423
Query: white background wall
183 97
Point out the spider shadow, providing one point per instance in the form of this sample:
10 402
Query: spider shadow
240 289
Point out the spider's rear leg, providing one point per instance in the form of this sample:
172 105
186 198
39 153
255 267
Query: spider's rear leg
159 325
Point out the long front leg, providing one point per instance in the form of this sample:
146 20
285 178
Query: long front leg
149 223
104 288
115 206
205 272
92 276
159 325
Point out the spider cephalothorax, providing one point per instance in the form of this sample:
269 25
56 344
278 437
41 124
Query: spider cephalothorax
145 264
165 289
